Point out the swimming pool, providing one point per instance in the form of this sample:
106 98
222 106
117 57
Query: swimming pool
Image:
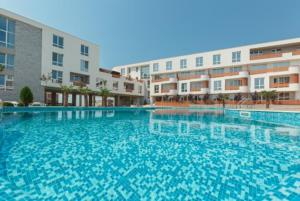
146 154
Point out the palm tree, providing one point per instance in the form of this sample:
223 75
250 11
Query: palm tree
104 93
66 90
269 96
84 91
222 98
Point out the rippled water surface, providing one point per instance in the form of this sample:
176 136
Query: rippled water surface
146 155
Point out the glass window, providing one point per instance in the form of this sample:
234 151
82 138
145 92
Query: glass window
122 71
2 80
7 32
183 63
156 89
84 50
115 85
3 36
236 56
10 61
11 26
145 72
259 83
169 65
57 76
2 59
58 41
216 59
57 59
84 65
2 23
217 85
155 67
199 61
183 87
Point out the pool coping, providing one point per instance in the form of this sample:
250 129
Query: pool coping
261 110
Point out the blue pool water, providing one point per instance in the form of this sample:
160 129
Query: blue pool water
146 155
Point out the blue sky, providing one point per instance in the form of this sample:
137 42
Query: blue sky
130 31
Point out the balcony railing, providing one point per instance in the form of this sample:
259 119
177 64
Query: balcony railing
269 70
232 87
161 79
224 74
129 90
192 77
265 56
279 85
296 52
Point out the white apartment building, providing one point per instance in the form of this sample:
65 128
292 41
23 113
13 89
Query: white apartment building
125 90
43 58
239 70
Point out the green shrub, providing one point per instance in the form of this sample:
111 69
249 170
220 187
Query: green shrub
7 104
21 104
26 96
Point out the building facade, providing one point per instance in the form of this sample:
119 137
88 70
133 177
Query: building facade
241 70
45 59
124 90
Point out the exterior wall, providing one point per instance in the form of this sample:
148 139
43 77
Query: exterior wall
33 57
109 79
290 52
27 70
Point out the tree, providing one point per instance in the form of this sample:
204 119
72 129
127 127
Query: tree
206 98
269 96
2 67
237 98
26 96
254 97
222 98
45 79
84 91
104 93
66 90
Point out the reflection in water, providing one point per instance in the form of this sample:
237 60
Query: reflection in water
161 154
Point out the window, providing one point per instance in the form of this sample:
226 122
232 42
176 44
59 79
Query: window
84 65
259 83
122 71
284 96
145 72
281 80
155 67
2 80
217 85
115 85
169 65
140 89
216 59
256 52
199 61
57 76
7 32
233 82
236 56
217 71
57 59
236 69
183 87
276 50
7 60
156 89
183 63
58 41
84 50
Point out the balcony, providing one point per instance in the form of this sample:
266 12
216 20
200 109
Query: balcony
265 56
193 77
169 91
295 52
166 79
129 90
279 85
240 74
269 70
